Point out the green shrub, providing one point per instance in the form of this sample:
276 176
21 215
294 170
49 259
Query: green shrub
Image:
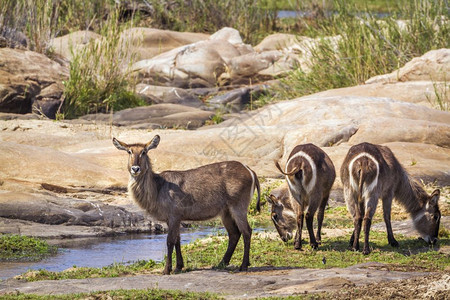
98 82
13 247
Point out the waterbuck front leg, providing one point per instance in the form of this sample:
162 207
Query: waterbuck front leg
233 237
173 236
387 205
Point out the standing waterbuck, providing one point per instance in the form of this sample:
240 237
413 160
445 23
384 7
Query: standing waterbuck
222 189
310 175
370 172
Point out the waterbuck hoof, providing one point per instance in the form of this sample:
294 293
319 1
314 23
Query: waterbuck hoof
315 246
366 251
393 243
243 268
355 249
221 265
166 272
177 270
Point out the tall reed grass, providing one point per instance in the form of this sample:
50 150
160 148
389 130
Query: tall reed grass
99 82
368 45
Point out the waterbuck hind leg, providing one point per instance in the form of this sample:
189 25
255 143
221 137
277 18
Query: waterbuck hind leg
240 218
233 238
367 223
387 204
298 235
357 222
371 206
320 216
312 208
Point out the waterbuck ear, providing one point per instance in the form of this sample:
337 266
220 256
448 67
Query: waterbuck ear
435 197
271 199
120 145
153 143
274 200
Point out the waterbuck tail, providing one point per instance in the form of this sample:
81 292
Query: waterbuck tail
258 188
360 184
292 172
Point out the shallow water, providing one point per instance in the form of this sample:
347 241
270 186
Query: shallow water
100 252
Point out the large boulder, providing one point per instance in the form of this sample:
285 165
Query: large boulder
30 81
222 59
432 66
162 115
69 44
423 81
146 43
28 163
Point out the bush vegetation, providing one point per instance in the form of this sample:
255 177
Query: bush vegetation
370 43
367 46
19 247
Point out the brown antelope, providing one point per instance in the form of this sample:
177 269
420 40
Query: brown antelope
310 175
224 189
284 212
370 172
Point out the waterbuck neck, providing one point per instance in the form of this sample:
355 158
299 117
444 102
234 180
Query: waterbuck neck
411 195
143 190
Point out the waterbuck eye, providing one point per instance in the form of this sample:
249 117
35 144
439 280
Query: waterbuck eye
436 217
143 152
129 151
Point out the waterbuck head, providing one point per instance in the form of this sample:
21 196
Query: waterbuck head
283 215
138 162
427 220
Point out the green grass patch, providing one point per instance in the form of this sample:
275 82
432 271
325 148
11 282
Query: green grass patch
114 270
267 252
147 294
19 247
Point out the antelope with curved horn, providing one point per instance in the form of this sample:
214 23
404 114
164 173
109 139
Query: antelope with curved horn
370 172
222 189
310 175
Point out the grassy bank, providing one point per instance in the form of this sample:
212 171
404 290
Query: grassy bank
150 294
19 247
268 251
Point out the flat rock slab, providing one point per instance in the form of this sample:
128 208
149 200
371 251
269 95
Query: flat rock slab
258 282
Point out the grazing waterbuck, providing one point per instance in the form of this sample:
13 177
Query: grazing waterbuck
310 175
222 189
284 211
370 172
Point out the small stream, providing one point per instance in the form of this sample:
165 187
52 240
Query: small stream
100 252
